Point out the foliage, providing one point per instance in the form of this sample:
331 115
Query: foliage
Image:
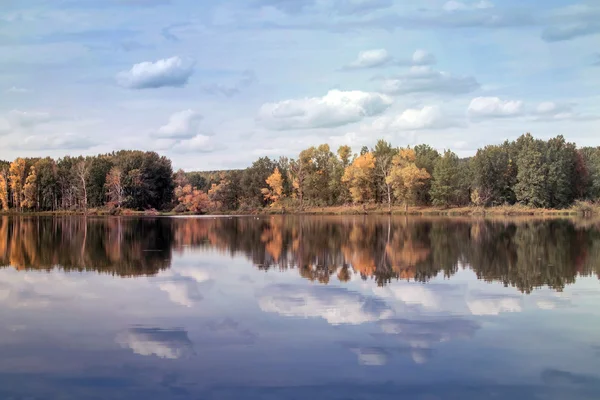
405 177
359 177
274 194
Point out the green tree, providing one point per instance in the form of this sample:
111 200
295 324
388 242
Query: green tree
450 181
425 158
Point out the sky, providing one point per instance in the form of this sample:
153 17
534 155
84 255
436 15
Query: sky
218 84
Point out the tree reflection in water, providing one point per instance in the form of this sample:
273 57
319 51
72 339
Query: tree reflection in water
522 253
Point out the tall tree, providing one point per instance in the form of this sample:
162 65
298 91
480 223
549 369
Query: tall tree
384 154
17 177
30 190
114 187
82 171
425 158
449 176
531 188
4 189
405 177
274 193
359 177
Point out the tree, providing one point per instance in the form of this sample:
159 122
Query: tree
425 157
384 154
405 177
17 177
82 171
492 169
450 182
193 200
531 188
4 189
359 177
114 187
274 193
30 190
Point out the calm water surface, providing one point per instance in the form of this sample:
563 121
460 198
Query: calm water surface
299 308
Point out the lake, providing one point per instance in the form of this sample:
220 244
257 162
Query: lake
289 307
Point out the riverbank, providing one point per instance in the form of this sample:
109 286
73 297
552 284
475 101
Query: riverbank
578 209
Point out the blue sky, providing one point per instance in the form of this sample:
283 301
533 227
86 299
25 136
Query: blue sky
218 84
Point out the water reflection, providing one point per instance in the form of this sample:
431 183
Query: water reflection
292 308
525 254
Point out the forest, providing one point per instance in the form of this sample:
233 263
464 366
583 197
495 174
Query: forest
551 174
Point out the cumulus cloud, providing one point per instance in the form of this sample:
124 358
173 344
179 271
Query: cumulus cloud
428 117
423 79
335 305
494 107
494 305
423 57
68 141
336 108
182 125
163 343
370 59
197 144
169 72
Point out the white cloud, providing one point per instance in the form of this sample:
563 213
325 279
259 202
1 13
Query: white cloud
335 305
428 117
370 59
454 5
163 343
494 305
423 79
551 110
182 125
173 72
67 141
423 57
336 108
199 144
494 107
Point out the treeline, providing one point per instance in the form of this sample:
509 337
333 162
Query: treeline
527 171
131 179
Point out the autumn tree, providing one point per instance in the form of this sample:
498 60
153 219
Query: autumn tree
114 187
359 177
30 190
4 189
274 193
17 177
405 177
193 200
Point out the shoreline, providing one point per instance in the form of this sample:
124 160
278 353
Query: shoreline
475 212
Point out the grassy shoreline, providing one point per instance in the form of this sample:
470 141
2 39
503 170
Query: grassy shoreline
577 210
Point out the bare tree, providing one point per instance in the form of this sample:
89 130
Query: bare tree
82 170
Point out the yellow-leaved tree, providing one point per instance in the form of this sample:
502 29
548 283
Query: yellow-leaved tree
405 177
4 190
30 190
359 177
17 175
274 193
